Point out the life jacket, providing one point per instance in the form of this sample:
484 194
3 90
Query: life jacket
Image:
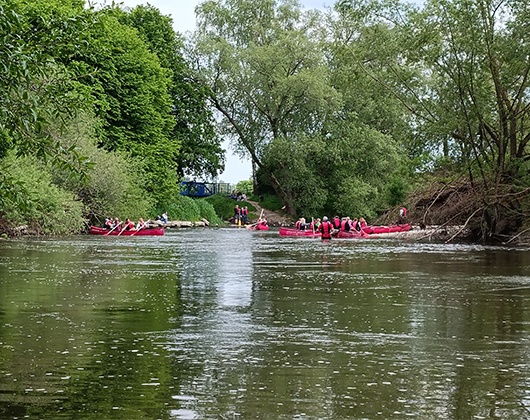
336 223
403 212
326 228
345 225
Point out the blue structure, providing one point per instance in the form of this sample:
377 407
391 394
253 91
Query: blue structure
203 189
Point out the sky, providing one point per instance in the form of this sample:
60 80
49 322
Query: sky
183 14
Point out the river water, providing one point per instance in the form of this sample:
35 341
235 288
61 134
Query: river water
232 324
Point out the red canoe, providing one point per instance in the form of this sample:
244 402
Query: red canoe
297 232
371 230
258 227
351 234
94 230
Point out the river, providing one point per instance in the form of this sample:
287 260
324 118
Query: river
232 324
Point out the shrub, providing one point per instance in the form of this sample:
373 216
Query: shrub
114 186
223 206
207 211
49 209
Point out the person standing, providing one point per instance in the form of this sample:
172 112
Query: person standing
326 228
237 215
244 214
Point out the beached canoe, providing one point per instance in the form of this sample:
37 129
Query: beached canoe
297 232
94 230
374 230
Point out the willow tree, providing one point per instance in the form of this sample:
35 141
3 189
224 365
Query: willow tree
264 64
477 55
461 71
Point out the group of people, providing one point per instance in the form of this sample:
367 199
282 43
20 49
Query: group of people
114 223
240 215
164 218
345 224
328 227
238 196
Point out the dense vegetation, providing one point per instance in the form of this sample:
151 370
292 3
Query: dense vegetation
354 109
100 116
370 105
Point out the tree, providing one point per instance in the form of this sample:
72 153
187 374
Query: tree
477 54
264 65
200 152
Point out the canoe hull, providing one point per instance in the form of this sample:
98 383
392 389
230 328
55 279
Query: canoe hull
94 230
374 230
258 227
297 232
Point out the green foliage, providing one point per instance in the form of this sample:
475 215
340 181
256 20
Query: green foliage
224 206
267 79
49 209
207 211
114 186
189 209
245 187
200 150
271 202
35 87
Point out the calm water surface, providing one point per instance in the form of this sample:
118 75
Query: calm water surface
231 324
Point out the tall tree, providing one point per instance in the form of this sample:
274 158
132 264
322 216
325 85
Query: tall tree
200 152
265 67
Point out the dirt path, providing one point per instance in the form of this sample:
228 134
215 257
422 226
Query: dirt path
274 218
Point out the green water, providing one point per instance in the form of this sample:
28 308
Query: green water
231 324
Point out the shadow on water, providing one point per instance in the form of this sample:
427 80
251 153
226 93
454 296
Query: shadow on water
227 323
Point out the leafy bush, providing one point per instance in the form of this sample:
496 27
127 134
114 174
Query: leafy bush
245 187
181 208
207 211
223 206
114 186
271 202
49 209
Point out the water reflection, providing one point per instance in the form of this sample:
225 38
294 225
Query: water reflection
232 324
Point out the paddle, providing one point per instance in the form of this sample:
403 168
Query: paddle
141 227
259 220
121 231
112 229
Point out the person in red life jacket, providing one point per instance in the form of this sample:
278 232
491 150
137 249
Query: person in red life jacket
244 214
262 224
128 225
336 222
314 225
356 225
362 221
109 222
116 222
345 225
325 228
301 224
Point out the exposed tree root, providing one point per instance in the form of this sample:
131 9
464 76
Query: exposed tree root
499 213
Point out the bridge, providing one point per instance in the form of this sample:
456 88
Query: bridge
203 189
